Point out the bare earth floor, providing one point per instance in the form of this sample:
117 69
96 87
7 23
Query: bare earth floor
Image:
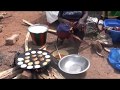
99 68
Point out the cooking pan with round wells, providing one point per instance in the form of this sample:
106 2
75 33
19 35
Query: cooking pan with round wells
34 59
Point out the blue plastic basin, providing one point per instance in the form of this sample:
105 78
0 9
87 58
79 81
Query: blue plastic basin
114 34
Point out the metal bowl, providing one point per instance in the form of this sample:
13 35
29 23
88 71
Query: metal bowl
74 64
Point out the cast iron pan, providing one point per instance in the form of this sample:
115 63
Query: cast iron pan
33 59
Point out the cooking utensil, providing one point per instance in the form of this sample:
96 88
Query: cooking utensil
74 64
58 51
28 55
62 53
30 24
38 34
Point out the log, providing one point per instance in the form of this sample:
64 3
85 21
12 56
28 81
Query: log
26 75
17 77
12 72
56 74
43 76
15 73
52 74
40 77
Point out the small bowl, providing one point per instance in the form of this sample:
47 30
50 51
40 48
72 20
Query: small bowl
62 53
74 64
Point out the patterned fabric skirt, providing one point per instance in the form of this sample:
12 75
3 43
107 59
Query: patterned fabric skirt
63 31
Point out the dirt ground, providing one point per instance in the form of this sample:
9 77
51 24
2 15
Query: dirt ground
99 68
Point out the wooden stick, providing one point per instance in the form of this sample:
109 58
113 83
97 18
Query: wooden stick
17 77
76 37
26 74
106 49
52 31
25 21
43 76
30 24
58 51
27 35
10 73
40 77
53 74
99 54
56 74
26 41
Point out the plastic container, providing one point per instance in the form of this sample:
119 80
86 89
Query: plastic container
114 34
114 58
38 34
111 23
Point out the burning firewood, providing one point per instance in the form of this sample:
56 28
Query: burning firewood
10 73
17 77
52 74
56 74
26 74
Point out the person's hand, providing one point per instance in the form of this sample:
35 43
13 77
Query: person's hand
81 24
71 24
